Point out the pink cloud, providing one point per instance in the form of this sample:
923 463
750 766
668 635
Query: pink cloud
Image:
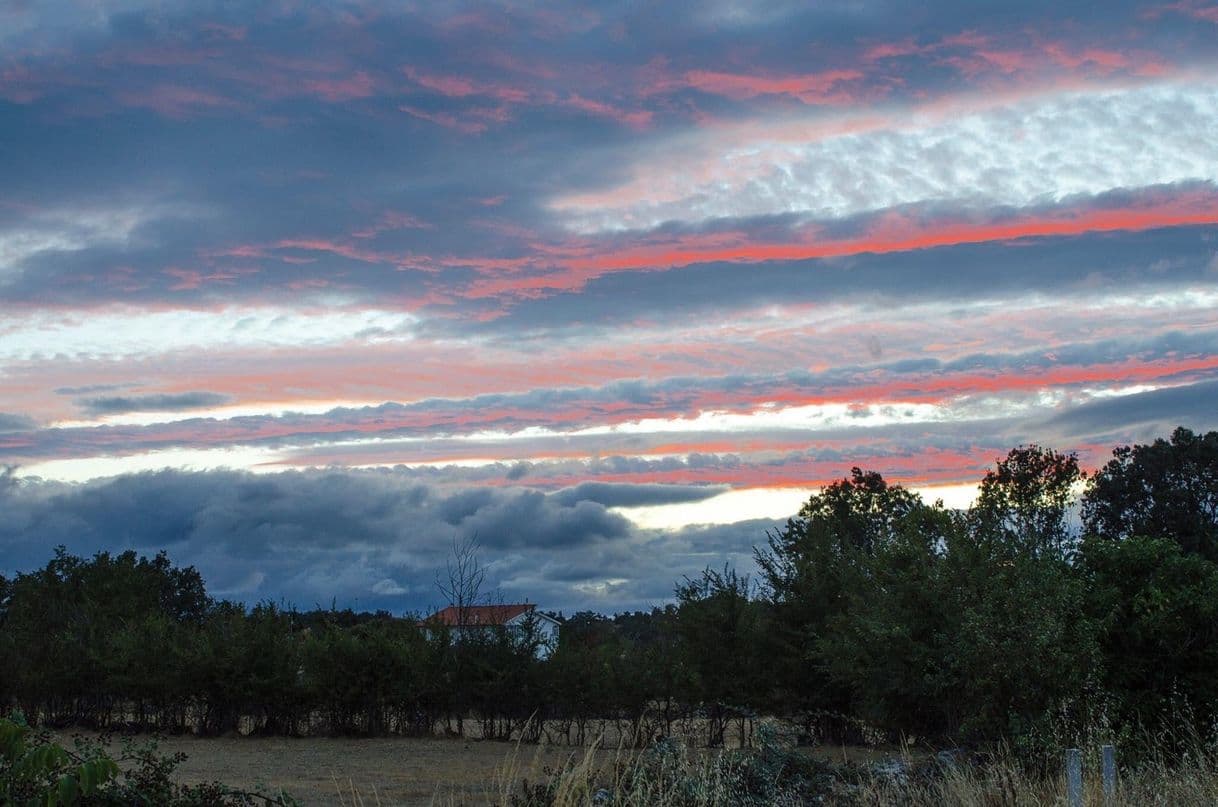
334 248
1107 60
974 54
452 86
1104 61
272 76
392 220
475 119
191 279
174 101
359 85
637 119
570 265
445 119
813 88
581 411
1197 9
284 249
892 50
460 87
979 62
891 234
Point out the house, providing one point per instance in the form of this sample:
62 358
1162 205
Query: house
516 618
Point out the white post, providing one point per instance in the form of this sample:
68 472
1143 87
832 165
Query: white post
1074 777
1109 771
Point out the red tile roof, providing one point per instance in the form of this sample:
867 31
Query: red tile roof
479 614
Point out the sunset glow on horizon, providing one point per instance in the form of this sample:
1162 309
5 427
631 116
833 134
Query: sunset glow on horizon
310 290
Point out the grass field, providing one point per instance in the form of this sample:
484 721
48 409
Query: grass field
395 770
412 771
398 771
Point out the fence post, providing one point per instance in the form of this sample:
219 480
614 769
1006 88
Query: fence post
1074 777
1109 771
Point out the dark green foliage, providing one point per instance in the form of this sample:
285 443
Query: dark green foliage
1157 608
1168 489
824 562
1022 643
720 627
88 631
889 641
1022 505
36 772
878 615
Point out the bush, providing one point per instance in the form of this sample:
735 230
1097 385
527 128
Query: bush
37 772
668 775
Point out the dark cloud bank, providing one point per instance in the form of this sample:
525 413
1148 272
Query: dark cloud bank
372 539
115 405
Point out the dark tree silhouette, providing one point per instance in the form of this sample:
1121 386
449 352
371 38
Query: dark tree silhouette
1168 489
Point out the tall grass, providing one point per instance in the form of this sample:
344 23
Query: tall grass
667 775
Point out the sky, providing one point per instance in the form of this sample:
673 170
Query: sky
304 293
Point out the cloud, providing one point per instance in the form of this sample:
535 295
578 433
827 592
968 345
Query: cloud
551 434
72 229
617 495
16 423
658 248
389 588
1145 414
120 332
817 88
118 405
374 539
88 389
1001 155
959 272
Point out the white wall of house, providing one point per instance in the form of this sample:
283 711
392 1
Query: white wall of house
547 631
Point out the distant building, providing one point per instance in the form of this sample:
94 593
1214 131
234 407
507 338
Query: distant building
514 618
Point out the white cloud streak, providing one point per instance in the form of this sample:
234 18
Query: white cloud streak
121 332
1032 151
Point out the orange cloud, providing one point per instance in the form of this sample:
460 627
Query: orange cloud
894 234
813 88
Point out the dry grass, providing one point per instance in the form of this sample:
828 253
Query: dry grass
688 778
370 771
1193 783
397 771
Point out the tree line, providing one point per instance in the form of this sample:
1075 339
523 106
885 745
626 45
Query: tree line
873 614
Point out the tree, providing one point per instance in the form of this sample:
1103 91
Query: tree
1157 609
1167 489
1022 645
463 576
889 644
810 568
1024 501
719 626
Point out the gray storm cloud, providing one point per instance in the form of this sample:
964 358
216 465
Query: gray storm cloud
115 405
373 538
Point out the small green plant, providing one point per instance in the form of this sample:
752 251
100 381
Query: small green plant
38 772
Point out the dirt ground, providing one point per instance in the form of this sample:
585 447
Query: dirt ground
389 771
